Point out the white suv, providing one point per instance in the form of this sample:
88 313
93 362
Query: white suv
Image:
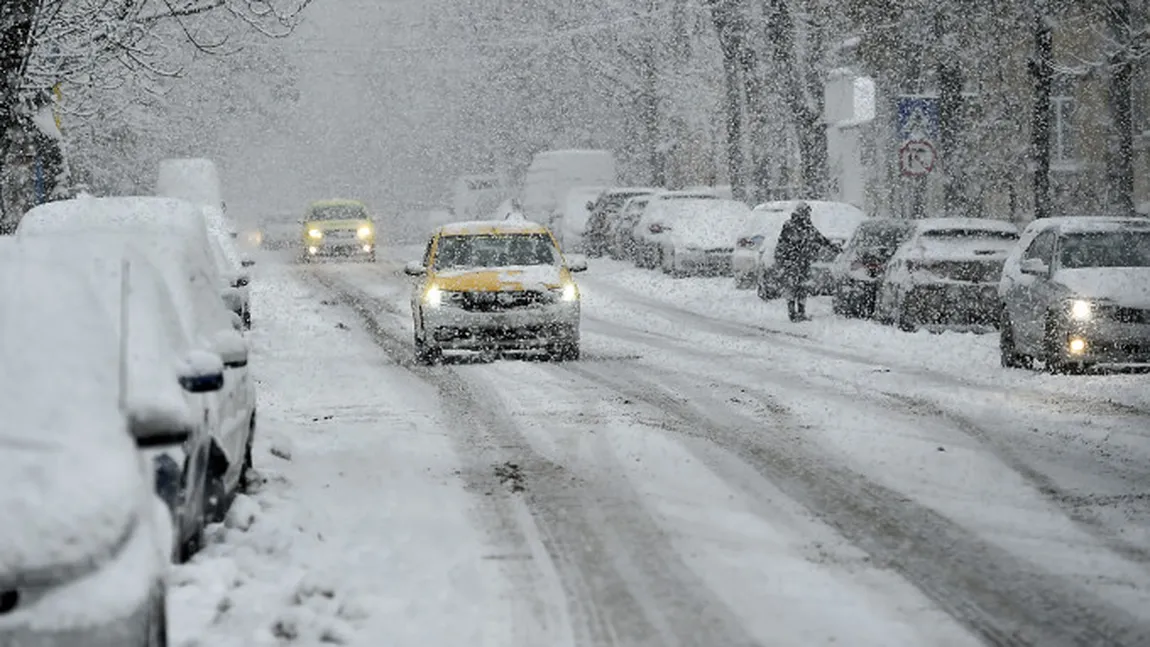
1076 292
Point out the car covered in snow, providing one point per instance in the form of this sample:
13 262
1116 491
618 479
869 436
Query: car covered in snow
763 228
85 546
338 228
622 234
495 286
605 210
234 267
702 239
858 270
569 221
656 222
172 235
1076 292
835 220
946 274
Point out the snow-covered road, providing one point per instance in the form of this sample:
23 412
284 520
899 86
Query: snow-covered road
709 474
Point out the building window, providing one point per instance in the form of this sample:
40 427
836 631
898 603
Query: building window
1064 124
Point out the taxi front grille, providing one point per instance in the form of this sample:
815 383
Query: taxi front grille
502 301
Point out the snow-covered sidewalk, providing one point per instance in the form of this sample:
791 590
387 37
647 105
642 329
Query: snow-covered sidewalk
361 533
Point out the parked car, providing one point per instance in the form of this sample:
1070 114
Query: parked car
622 233
495 286
702 240
946 274
835 220
162 230
338 228
763 228
1076 292
157 348
858 271
656 222
84 552
570 221
234 267
604 211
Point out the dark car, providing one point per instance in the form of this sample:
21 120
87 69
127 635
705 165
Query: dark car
858 271
597 237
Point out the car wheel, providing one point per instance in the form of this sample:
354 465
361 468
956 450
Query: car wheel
905 321
187 548
158 621
568 352
424 354
1007 349
838 305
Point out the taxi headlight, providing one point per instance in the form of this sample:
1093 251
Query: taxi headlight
364 232
433 297
570 292
1081 310
315 233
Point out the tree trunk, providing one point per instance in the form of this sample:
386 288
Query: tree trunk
16 20
812 131
725 19
1043 73
649 106
1120 153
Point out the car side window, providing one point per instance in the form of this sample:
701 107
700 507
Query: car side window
1042 247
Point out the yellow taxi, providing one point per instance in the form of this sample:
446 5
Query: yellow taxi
495 286
338 228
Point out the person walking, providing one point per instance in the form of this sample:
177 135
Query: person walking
798 247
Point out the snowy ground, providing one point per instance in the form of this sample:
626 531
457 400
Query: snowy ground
709 474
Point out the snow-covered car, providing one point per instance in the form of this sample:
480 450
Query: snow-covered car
172 235
946 274
835 220
569 221
1076 292
858 271
656 222
338 228
234 267
85 547
763 228
498 285
604 211
702 240
623 228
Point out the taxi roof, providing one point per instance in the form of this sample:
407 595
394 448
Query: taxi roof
491 227
336 202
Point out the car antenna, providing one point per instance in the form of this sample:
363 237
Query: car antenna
125 293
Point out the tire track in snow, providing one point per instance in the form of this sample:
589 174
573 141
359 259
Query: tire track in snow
798 341
853 394
611 610
997 596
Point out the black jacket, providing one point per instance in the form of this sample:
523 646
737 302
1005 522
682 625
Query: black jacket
798 247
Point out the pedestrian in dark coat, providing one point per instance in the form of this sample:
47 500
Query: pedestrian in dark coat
798 247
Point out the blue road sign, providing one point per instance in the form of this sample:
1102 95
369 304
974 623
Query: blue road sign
918 118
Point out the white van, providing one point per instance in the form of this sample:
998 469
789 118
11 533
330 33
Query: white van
477 197
553 174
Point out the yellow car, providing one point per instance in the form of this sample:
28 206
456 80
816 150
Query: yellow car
338 228
495 286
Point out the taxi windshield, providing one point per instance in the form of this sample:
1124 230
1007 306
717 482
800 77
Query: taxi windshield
338 212
495 250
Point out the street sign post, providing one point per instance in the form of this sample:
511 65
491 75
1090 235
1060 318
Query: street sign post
918 132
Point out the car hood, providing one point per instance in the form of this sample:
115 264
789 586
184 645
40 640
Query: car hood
70 504
1127 286
325 225
499 279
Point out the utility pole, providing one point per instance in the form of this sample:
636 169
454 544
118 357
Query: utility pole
1042 71
1120 149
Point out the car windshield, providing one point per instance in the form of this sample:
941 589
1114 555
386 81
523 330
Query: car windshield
1106 249
495 250
338 212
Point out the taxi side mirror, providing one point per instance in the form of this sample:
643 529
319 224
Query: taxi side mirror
414 268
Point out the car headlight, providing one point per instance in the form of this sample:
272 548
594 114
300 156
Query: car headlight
570 292
315 233
364 232
1081 310
433 297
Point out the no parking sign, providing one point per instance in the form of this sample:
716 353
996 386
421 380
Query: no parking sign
916 157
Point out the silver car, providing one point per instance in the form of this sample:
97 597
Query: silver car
1076 292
